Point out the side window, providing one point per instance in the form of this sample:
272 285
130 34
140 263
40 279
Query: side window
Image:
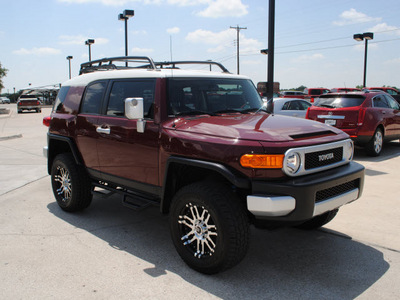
121 90
58 104
392 103
286 106
304 105
380 101
91 103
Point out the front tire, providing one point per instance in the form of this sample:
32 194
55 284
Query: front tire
71 185
374 146
209 227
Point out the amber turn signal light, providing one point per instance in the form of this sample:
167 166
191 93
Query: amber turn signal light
262 161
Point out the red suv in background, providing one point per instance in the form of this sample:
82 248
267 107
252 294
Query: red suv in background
344 89
313 93
391 91
370 118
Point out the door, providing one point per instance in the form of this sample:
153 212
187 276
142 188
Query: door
87 122
387 114
123 152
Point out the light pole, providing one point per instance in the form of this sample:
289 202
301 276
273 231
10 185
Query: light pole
124 17
89 42
359 37
69 63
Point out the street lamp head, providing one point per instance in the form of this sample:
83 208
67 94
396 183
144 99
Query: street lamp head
89 42
129 13
264 51
368 35
126 14
358 37
70 57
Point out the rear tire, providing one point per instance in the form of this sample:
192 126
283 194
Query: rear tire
209 227
318 221
375 145
71 185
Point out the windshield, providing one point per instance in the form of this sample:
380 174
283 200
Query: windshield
339 102
212 96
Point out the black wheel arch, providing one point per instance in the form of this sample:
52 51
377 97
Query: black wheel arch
58 144
181 171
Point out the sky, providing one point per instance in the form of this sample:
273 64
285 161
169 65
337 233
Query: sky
314 43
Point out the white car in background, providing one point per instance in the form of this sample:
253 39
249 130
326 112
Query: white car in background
4 100
294 107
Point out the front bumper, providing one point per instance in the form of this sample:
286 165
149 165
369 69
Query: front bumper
302 198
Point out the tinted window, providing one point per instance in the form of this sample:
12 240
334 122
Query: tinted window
211 95
380 101
392 103
91 103
340 101
130 89
62 93
315 92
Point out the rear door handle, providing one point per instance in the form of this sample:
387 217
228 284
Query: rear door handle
103 130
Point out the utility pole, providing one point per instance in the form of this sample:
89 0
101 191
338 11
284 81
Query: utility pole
271 49
237 43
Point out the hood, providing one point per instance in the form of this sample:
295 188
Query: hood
260 127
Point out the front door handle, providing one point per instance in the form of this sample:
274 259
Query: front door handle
103 130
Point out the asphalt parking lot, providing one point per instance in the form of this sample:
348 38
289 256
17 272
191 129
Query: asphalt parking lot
112 252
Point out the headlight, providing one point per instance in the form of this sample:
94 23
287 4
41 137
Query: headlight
292 163
348 150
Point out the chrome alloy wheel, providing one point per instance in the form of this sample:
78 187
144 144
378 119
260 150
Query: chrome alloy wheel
378 141
63 180
198 231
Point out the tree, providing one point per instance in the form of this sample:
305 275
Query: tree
3 73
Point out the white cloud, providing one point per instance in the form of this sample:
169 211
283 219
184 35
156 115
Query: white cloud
392 61
80 40
222 40
37 51
352 16
385 28
211 38
137 50
224 8
173 30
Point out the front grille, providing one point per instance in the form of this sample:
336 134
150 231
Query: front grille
323 158
336 190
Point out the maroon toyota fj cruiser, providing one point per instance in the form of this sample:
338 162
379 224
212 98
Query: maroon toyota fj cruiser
201 146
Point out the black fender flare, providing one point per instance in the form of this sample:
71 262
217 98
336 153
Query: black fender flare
65 139
239 182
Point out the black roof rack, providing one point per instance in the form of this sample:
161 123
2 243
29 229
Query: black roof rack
107 63
173 64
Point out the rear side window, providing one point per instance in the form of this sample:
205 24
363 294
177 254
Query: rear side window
121 90
91 103
380 101
340 101
62 94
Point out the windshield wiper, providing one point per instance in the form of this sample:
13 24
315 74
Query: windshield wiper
255 109
194 112
227 111
326 105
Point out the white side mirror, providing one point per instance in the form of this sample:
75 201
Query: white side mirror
134 110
